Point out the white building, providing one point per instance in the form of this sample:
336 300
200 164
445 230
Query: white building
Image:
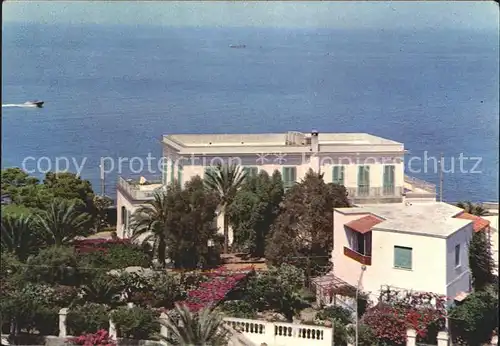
371 168
419 247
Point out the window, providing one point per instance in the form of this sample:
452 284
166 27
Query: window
389 180
172 176
124 215
338 175
457 255
251 171
364 180
402 257
164 173
180 168
289 176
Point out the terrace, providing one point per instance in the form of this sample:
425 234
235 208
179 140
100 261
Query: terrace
139 189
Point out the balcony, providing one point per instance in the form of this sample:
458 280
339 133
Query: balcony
386 194
360 258
418 189
137 191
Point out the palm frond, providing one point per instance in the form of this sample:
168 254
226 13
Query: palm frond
189 329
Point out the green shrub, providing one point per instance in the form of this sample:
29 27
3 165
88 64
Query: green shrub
31 307
239 309
54 265
46 320
88 318
126 255
158 289
339 313
136 322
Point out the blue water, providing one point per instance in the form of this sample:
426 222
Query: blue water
114 90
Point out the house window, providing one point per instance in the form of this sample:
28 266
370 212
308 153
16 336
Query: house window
164 175
402 257
251 171
388 188
289 176
338 175
364 180
457 255
123 215
172 176
180 168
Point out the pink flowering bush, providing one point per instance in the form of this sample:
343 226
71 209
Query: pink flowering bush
101 338
211 292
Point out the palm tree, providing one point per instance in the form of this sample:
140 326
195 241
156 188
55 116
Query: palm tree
193 329
150 222
17 235
62 222
225 181
471 208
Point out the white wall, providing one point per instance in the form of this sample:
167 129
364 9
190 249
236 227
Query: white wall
428 271
193 166
122 201
458 278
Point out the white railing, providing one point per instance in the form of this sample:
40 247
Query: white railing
282 334
133 191
375 192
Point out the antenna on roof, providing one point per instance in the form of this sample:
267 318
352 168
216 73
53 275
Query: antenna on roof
441 178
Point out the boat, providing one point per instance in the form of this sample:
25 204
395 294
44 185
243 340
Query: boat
237 46
35 103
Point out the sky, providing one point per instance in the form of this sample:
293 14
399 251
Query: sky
315 14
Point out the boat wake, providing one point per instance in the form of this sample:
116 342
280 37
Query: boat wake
16 105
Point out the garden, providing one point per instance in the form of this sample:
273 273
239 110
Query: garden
48 263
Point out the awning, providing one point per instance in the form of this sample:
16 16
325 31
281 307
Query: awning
364 224
479 223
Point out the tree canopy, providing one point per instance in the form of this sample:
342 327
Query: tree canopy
302 233
254 210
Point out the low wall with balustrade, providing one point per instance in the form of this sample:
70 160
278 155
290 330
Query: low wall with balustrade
254 331
282 334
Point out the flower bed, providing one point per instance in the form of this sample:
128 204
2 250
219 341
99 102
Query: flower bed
220 283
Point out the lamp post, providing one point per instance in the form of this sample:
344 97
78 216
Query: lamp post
363 268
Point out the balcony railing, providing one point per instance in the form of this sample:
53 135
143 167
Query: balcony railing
360 258
137 191
419 186
375 192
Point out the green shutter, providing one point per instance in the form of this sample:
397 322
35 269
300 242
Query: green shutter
338 175
402 257
389 176
164 173
179 174
289 176
172 176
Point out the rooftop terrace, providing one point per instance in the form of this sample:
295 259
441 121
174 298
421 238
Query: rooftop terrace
291 138
437 219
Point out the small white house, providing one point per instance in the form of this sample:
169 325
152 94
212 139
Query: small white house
419 247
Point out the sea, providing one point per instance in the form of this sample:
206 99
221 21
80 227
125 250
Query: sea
113 91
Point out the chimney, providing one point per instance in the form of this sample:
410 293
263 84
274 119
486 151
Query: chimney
314 141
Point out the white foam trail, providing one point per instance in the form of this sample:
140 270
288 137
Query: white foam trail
20 105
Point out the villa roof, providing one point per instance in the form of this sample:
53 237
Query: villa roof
434 219
364 224
479 223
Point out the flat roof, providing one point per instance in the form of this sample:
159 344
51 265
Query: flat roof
271 139
437 219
